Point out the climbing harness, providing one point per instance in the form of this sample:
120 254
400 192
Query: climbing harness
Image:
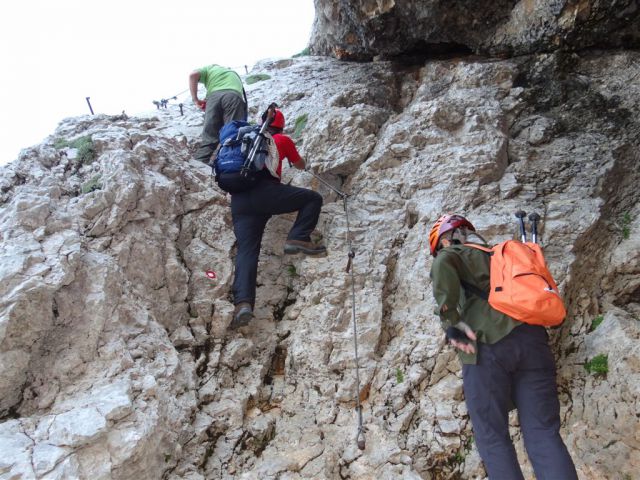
360 439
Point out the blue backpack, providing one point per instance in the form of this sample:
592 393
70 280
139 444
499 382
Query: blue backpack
241 157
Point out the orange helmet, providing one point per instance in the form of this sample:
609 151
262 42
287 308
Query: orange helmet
444 224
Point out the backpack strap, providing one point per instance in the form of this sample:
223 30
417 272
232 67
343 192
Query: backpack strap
479 247
478 292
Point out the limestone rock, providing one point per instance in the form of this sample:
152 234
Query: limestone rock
115 357
366 29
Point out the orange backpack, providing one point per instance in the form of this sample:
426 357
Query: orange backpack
521 285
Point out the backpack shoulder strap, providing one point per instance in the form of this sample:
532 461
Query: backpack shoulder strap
478 292
480 247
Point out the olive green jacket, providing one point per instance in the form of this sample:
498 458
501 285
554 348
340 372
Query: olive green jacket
460 263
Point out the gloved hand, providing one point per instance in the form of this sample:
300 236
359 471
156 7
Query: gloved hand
461 337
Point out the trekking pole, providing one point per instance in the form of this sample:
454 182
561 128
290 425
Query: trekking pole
523 234
533 218
268 117
360 439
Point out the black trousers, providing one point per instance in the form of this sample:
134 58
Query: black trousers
251 211
519 368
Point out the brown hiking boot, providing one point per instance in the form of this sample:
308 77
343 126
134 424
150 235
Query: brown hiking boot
308 248
242 315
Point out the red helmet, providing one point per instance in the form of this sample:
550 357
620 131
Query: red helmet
444 224
278 120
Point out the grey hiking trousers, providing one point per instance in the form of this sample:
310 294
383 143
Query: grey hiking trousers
223 106
519 368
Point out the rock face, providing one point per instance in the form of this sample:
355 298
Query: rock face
367 28
115 359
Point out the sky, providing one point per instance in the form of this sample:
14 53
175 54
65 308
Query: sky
125 54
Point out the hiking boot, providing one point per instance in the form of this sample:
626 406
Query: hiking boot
242 315
308 248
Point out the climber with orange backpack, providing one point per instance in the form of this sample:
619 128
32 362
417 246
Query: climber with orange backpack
494 304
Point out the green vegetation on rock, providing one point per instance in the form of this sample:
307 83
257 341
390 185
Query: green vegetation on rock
258 77
86 150
598 365
91 185
626 225
300 123
303 53
84 145
595 323
61 143
291 270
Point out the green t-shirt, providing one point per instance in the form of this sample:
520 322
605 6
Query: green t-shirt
215 77
456 263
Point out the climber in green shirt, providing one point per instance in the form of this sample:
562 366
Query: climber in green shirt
225 102
505 362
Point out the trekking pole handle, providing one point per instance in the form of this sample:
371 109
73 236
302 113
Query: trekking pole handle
271 112
268 115
520 214
534 218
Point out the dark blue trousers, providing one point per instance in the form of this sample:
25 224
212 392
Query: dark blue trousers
518 370
251 211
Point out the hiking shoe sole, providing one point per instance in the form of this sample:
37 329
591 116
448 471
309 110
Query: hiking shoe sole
242 319
294 249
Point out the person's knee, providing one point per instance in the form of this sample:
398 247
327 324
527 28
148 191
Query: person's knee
315 198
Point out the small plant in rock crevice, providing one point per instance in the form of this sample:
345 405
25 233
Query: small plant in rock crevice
598 365
84 145
399 376
86 150
595 323
460 456
626 225
92 185
291 270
